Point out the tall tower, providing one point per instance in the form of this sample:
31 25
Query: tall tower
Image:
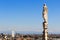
45 23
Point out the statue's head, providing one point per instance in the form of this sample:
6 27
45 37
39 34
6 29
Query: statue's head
44 4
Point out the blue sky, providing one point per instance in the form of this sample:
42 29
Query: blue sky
26 15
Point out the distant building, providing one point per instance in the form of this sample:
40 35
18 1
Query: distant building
13 34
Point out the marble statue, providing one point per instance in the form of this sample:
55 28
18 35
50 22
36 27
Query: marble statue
45 23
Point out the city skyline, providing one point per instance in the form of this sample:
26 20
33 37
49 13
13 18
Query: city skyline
26 15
